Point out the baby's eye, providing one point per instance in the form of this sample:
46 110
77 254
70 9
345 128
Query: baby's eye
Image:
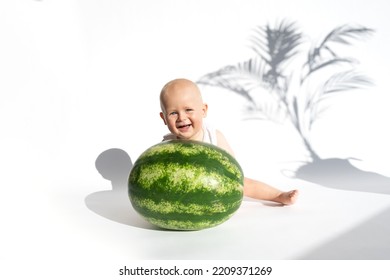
189 110
172 113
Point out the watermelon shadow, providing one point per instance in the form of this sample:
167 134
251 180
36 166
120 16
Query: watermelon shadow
115 165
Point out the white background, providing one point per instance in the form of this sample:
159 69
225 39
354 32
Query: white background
80 77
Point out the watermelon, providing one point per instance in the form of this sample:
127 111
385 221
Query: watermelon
185 185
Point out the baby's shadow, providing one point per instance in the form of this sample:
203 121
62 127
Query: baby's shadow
115 166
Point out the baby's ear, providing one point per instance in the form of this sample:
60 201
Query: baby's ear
205 109
163 117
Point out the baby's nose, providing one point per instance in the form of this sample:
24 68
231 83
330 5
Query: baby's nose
182 116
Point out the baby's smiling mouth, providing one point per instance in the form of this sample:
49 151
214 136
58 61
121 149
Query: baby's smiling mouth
183 126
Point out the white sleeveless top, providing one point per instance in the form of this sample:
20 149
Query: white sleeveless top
209 135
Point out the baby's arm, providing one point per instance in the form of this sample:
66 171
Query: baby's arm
223 143
262 191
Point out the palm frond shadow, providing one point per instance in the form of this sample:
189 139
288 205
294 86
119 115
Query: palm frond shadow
341 174
285 85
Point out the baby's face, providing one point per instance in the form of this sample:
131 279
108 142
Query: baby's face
183 111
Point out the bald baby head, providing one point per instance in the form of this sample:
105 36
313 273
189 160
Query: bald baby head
182 88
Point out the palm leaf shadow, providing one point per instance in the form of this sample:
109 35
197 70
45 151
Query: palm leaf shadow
275 47
339 173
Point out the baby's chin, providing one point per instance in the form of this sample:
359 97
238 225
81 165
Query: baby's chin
181 137
188 133
185 137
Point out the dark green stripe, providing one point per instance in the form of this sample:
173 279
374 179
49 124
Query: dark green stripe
187 200
159 192
200 158
209 167
186 216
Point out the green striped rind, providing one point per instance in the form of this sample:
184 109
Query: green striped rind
186 185
175 215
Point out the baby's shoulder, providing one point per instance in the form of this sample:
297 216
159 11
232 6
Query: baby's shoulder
169 136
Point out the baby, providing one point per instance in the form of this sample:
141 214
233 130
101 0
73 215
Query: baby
183 111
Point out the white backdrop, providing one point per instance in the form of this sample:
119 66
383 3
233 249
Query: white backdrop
81 77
